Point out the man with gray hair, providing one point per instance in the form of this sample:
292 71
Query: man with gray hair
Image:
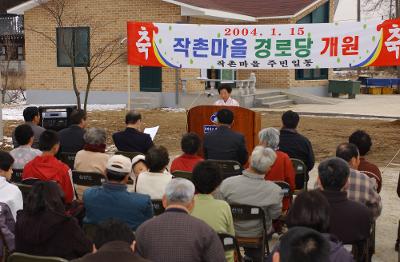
175 235
251 189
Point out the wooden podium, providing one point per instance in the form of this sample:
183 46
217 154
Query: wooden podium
200 121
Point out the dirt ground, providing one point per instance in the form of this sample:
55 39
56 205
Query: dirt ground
325 134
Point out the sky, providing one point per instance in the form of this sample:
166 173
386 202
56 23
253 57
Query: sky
347 10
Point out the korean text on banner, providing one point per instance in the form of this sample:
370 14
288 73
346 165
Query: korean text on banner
290 46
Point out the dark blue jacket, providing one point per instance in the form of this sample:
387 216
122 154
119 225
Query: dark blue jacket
297 146
131 140
71 139
112 200
225 144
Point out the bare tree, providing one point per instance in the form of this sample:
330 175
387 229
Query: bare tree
103 54
374 5
5 70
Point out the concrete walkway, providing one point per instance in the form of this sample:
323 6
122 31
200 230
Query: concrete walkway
380 106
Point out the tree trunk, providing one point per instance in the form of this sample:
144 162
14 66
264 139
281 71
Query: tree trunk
88 85
76 90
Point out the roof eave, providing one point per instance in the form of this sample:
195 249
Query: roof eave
22 8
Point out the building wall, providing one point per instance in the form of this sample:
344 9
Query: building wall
111 16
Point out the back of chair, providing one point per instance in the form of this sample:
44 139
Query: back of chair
301 173
21 257
157 206
287 192
182 174
246 212
24 188
230 243
87 178
229 167
17 175
129 155
68 159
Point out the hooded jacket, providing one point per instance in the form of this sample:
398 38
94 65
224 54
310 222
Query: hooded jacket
49 168
50 234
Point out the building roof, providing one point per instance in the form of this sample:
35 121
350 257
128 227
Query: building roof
7 4
245 10
252 8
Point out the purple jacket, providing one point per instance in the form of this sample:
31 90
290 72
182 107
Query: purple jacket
7 227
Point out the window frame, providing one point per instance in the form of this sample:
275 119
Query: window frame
74 47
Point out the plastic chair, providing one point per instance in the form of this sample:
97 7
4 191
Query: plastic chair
287 192
68 159
157 206
17 175
21 257
302 176
245 213
182 174
87 178
230 243
229 167
129 155
24 188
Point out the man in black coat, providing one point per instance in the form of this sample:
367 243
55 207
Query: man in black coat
350 221
223 143
295 144
71 138
132 139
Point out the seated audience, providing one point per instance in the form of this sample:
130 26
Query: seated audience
113 241
43 229
311 209
132 139
71 138
24 152
112 199
93 157
223 143
361 188
176 236
294 144
207 176
154 181
350 221
48 168
363 142
32 118
138 166
224 92
190 145
282 169
7 227
9 193
251 189
302 244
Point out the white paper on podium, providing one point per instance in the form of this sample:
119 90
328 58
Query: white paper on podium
152 131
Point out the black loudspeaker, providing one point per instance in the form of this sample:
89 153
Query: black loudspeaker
55 117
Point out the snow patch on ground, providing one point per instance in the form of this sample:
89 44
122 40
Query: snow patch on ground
174 110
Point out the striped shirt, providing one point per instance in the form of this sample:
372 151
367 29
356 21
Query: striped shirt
363 189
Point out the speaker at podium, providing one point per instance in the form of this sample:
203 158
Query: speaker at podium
202 119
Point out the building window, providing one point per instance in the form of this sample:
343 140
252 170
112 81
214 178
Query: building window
73 46
20 53
319 15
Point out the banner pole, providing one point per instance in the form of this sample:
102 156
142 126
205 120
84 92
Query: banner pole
129 87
